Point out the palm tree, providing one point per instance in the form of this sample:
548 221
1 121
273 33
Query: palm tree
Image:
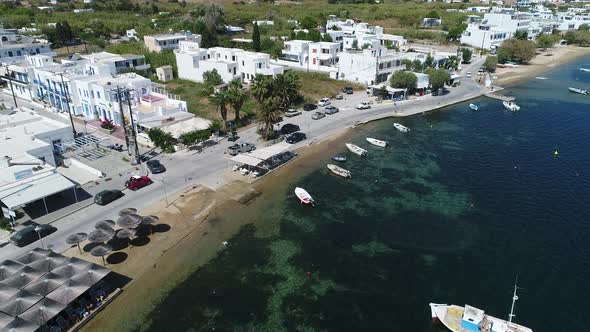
221 100
268 115
260 88
237 97
286 87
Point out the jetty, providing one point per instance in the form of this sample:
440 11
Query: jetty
493 95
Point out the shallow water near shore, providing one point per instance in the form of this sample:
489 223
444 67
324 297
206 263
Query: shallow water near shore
450 212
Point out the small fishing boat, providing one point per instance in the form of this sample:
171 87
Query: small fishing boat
339 158
511 106
376 142
401 127
304 196
541 78
339 171
585 70
356 149
473 107
580 91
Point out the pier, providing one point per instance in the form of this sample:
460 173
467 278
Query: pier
493 95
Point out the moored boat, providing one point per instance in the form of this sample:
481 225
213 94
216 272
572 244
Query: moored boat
376 142
473 107
401 127
585 70
511 106
339 158
577 90
356 149
304 196
339 171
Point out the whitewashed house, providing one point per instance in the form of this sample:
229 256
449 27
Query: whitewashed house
370 66
168 41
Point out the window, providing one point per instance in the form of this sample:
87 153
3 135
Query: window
243 63
98 94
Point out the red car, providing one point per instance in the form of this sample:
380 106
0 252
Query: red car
136 182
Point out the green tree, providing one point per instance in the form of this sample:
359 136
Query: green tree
403 80
212 78
407 63
268 114
327 38
428 61
455 32
521 35
286 88
433 14
256 38
438 78
516 50
308 22
545 41
161 139
466 54
490 64
417 65
260 88
237 97
584 27
220 100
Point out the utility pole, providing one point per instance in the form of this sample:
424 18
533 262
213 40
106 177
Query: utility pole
120 101
133 129
65 91
8 78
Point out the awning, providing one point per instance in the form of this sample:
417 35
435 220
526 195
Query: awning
256 157
35 189
247 160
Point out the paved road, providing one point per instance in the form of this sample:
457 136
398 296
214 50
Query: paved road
188 168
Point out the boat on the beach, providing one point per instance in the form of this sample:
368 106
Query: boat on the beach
472 319
585 70
339 158
304 196
580 91
473 107
511 106
376 142
356 149
339 171
401 127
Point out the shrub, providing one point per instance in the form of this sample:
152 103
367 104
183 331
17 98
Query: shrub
516 50
162 140
107 124
490 64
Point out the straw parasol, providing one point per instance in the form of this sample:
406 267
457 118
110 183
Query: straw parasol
71 267
5 320
129 221
76 239
32 256
9 267
42 311
148 220
105 224
23 277
101 250
125 233
46 284
127 211
101 235
7 292
91 276
21 325
68 292
49 262
19 302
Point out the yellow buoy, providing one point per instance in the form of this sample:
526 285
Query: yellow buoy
556 153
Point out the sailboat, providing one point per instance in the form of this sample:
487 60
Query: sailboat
471 319
304 196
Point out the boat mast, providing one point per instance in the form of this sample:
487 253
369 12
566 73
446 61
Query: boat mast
514 298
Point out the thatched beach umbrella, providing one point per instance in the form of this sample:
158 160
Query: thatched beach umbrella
105 224
101 250
9 267
5 320
33 255
127 211
101 235
125 233
129 221
7 292
21 325
23 277
49 262
68 292
94 274
149 220
19 303
42 311
46 284
76 239
71 267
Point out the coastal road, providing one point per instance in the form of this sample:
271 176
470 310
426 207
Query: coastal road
190 168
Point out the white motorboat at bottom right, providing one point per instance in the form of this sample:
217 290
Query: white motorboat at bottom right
401 127
511 106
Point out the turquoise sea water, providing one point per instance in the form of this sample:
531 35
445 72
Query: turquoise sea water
450 212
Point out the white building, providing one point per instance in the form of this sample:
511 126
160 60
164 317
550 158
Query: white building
169 41
296 51
120 62
428 22
485 36
305 54
323 54
350 33
369 66
230 63
131 34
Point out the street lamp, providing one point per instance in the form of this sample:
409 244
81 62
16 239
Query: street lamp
38 229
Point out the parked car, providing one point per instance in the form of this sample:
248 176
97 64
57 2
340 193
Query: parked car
347 90
289 128
468 75
137 182
318 115
29 235
155 167
339 97
324 102
331 110
236 149
309 107
295 137
363 106
106 196
292 112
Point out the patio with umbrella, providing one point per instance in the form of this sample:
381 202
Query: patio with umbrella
42 311
5 319
7 292
129 220
48 262
76 239
71 267
23 277
68 292
101 235
33 255
21 325
101 250
19 303
46 284
9 267
105 224
127 211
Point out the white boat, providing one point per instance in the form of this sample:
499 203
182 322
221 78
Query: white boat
473 107
304 196
339 171
541 78
511 106
580 91
585 70
376 142
356 149
471 319
401 127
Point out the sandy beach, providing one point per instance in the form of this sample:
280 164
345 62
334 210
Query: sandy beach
544 61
